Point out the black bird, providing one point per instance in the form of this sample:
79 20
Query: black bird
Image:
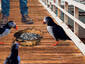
13 58
5 30
55 30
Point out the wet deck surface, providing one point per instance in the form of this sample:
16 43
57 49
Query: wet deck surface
44 53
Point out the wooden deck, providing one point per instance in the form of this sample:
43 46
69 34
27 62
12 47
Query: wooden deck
44 53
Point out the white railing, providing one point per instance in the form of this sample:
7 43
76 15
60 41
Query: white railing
73 35
0 5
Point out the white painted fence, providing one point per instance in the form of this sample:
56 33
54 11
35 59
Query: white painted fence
0 5
73 35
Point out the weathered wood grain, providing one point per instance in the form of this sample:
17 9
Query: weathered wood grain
45 53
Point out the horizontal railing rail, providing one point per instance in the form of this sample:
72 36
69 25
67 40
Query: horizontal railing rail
77 4
73 35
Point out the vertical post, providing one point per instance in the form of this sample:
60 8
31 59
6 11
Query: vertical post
0 14
54 8
50 5
59 12
76 14
65 16
0 5
42 0
46 2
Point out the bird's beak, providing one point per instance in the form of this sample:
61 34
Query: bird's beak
44 22
15 27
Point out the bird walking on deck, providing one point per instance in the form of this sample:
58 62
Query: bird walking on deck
5 30
55 30
13 58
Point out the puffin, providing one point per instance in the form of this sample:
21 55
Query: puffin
13 58
55 30
5 30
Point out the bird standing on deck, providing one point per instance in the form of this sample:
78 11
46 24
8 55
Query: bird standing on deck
5 30
13 58
55 30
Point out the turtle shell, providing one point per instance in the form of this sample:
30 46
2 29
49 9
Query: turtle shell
28 37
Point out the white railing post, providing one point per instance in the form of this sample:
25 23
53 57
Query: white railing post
65 16
44 1
50 5
59 12
54 8
47 2
0 5
76 14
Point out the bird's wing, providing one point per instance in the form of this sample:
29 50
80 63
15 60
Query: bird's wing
6 32
60 33
18 59
1 30
7 60
50 30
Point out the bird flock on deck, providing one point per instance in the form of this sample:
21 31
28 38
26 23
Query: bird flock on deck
53 29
